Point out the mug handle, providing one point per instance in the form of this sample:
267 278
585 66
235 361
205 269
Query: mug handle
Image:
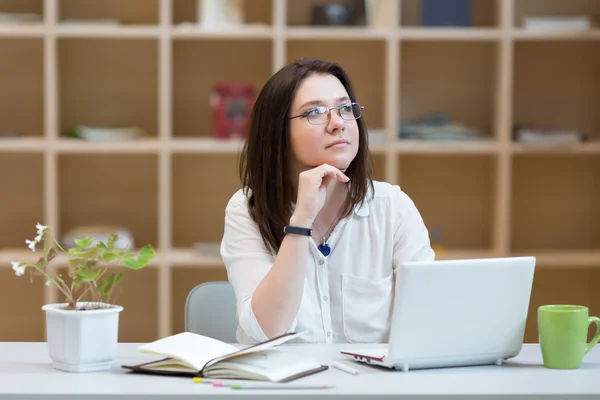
596 338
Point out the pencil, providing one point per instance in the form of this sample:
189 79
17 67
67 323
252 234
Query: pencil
282 387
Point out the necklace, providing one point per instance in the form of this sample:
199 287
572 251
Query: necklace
324 246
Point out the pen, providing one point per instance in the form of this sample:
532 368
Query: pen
282 387
344 368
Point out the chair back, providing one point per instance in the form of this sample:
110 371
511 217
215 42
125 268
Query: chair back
210 310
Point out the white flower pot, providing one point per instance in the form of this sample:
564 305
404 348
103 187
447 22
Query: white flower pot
82 340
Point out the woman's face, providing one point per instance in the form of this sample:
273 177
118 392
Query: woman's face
334 142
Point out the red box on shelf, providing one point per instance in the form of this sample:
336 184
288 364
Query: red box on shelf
231 105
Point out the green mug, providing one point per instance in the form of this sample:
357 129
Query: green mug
563 331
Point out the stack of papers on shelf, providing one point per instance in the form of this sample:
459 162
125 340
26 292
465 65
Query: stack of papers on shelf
19 18
547 136
438 127
557 23
105 134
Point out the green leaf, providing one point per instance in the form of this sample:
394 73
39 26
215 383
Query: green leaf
87 253
112 239
75 263
107 257
145 255
109 283
86 275
85 242
101 245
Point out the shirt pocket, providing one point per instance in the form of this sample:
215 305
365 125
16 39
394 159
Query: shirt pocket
366 308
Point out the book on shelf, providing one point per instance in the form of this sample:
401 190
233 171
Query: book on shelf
193 355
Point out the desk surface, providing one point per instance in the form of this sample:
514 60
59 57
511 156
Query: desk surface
26 371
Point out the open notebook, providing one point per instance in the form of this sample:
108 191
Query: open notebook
190 354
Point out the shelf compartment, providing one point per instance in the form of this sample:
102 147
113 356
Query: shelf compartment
379 173
20 303
455 196
138 295
566 285
300 14
130 12
555 203
22 73
35 19
108 83
257 13
454 83
555 8
116 190
193 223
22 180
194 77
368 79
183 280
563 94
484 13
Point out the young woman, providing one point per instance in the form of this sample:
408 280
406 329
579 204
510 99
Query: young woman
311 242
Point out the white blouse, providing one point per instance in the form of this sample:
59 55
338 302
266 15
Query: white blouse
348 295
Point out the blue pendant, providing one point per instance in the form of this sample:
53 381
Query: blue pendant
325 249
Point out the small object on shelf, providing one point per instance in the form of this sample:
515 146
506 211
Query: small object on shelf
220 13
547 136
377 136
19 18
331 14
103 134
452 13
231 105
575 23
100 233
438 127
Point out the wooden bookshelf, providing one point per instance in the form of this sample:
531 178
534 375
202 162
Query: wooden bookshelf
488 198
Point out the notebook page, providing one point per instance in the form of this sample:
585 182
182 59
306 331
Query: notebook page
273 364
195 350
263 346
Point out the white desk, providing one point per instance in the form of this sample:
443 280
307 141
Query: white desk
26 373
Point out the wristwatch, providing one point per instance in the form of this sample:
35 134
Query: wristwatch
297 230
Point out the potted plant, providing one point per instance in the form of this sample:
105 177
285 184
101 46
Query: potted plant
82 332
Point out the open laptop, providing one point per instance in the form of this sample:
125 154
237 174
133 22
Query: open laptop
454 313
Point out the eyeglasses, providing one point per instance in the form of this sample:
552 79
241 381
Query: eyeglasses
322 115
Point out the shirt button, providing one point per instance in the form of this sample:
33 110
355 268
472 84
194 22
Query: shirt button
325 298
328 333
321 262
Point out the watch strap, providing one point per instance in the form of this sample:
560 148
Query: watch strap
297 230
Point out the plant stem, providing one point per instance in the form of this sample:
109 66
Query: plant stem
64 290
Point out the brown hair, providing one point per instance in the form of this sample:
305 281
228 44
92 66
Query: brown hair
265 159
